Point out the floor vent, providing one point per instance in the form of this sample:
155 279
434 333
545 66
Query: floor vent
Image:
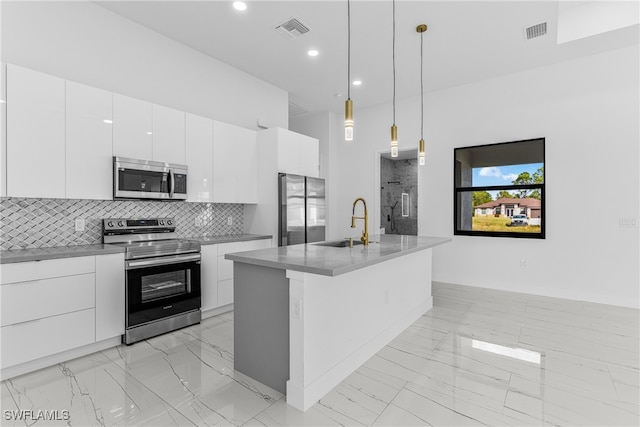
535 31
296 110
292 29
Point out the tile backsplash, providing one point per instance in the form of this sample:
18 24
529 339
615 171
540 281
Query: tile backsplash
40 223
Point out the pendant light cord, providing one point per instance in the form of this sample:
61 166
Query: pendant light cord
348 49
394 61
421 89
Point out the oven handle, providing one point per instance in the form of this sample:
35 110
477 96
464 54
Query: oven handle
176 259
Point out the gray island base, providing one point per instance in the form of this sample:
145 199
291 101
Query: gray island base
307 316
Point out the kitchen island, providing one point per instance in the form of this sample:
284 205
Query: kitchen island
306 316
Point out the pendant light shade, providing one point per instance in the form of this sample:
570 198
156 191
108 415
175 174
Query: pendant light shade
348 120
348 105
421 151
394 141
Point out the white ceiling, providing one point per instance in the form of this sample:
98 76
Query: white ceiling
466 41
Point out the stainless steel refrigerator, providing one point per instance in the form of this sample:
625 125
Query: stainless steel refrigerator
301 209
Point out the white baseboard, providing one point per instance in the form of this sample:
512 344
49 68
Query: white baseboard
44 362
216 311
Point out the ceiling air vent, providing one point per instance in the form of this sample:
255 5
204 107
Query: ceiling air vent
292 29
535 31
296 110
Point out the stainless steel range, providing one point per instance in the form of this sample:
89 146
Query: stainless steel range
162 276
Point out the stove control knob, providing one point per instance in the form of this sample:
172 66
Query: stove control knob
161 222
120 224
110 224
169 222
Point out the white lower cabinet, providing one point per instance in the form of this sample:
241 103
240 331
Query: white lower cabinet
53 306
110 309
225 292
225 267
27 341
209 277
26 301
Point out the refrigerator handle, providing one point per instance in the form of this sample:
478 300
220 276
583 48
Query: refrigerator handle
282 211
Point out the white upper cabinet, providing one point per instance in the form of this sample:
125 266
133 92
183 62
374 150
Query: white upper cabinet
297 154
35 134
168 135
246 166
224 163
199 150
88 142
288 152
3 135
235 159
309 156
132 127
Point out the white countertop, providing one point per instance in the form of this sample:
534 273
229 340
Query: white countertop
333 261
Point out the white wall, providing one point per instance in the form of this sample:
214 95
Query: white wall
83 42
588 110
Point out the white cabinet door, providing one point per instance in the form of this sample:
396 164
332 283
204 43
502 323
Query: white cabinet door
225 292
199 142
209 276
309 156
235 164
298 154
224 163
288 152
225 266
27 341
35 134
132 127
3 135
246 166
168 135
110 296
89 142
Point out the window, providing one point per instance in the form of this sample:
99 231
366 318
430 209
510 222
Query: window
509 175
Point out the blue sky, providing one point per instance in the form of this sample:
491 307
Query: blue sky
501 175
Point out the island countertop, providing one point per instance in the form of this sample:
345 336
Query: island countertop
332 261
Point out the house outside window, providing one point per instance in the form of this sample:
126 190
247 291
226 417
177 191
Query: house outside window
492 183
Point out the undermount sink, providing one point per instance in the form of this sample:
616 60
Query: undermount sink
340 243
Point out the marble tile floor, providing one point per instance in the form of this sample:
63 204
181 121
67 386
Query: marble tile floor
479 357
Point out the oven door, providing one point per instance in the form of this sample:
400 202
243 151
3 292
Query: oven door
161 287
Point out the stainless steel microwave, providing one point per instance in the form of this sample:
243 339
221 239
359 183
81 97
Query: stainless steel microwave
146 179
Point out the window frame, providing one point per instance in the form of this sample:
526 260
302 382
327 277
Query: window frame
513 234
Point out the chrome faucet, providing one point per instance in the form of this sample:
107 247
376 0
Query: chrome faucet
365 233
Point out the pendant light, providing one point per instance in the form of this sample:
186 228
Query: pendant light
394 128
348 105
421 154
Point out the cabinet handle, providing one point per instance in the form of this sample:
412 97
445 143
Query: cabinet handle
25 322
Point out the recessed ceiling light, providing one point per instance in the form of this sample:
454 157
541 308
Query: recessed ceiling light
357 82
107 121
312 52
239 5
149 133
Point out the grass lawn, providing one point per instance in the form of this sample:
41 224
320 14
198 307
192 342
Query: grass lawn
500 224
